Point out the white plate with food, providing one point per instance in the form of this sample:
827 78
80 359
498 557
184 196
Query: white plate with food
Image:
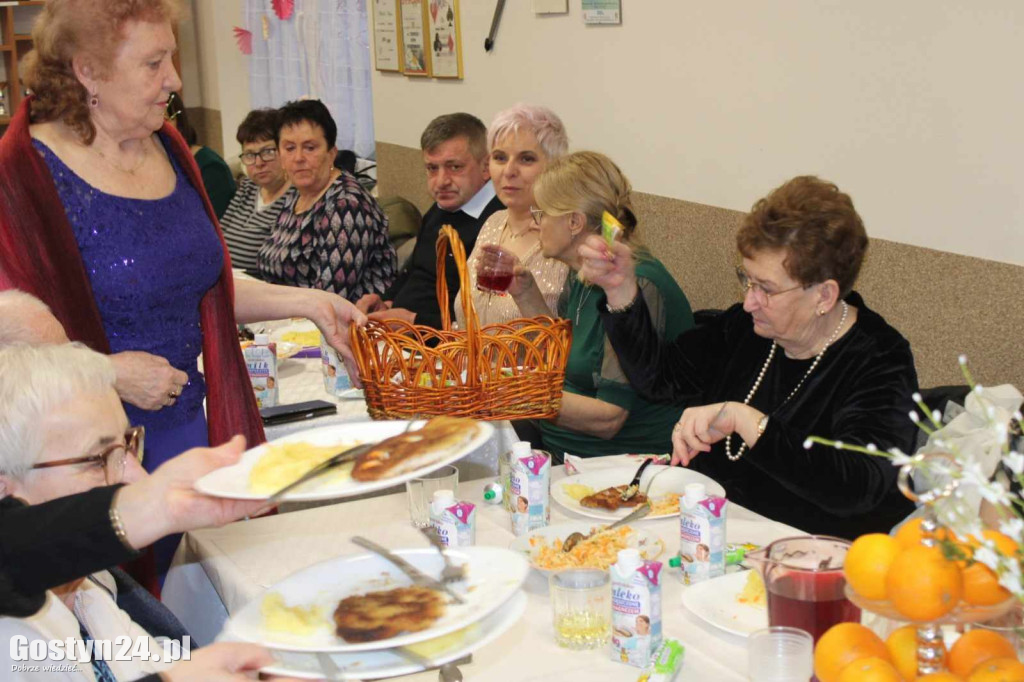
405 453
373 665
734 602
543 546
666 484
374 605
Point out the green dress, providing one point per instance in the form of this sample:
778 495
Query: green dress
217 178
593 369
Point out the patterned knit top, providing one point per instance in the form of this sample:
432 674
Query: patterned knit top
340 244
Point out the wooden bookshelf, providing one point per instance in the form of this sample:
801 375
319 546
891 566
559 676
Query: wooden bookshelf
13 46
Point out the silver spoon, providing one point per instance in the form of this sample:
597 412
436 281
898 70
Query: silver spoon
576 538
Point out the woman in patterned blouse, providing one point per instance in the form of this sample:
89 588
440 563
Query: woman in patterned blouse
331 235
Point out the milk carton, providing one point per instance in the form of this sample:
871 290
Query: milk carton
529 488
261 361
636 609
336 379
701 534
454 522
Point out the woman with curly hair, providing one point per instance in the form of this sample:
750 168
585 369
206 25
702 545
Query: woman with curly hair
106 220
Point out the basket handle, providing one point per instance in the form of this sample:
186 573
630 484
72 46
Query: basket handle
449 238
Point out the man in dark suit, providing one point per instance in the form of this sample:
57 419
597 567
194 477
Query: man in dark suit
455 156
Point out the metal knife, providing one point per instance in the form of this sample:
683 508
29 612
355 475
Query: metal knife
418 577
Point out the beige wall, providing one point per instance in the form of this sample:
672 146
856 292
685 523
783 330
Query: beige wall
911 106
215 73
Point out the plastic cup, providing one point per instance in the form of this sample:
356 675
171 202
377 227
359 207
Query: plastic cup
780 654
495 270
421 491
582 608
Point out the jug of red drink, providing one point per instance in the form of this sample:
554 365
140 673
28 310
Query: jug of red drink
803 578
495 270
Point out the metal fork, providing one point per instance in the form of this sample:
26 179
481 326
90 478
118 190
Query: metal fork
451 573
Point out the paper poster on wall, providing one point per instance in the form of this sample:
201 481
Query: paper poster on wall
414 54
385 35
602 11
444 38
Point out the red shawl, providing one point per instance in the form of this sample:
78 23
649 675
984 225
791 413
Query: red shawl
39 255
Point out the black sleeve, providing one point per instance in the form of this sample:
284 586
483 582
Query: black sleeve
873 409
664 370
78 540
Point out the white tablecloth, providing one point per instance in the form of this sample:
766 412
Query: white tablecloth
217 571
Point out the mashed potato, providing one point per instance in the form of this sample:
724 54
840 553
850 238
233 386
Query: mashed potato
577 491
283 463
293 620
753 593
309 339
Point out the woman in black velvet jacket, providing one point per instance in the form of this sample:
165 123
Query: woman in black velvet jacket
803 355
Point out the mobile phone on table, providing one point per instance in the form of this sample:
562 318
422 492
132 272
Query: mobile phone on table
311 409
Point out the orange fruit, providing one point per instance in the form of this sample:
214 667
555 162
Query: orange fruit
939 677
922 585
976 647
981 586
867 563
843 644
902 645
998 670
910 534
871 669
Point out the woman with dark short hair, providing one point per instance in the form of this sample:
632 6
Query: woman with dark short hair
331 234
261 195
802 355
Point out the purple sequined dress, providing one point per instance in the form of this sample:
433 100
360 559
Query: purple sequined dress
149 263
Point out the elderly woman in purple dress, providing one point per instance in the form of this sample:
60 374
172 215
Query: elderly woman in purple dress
107 221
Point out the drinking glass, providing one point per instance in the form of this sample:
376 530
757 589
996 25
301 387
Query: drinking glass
505 477
582 608
780 654
421 492
804 581
495 270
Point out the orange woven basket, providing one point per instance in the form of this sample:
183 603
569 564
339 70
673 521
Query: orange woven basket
500 371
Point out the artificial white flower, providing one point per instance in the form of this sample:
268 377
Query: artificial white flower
1013 528
987 555
1014 461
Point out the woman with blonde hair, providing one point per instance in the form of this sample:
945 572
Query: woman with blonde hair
522 141
601 414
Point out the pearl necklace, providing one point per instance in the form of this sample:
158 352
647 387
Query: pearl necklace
764 370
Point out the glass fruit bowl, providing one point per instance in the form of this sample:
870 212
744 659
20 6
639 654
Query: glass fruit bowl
962 613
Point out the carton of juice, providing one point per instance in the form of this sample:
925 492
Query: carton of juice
636 609
529 489
261 361
336 379
701 534
454 522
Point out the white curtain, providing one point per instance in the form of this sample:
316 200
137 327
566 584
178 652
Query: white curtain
322 51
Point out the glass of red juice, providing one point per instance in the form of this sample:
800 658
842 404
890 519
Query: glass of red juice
803 578
495 270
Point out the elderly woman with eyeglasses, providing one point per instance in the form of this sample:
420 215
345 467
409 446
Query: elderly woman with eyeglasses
802 355
261 195
63 431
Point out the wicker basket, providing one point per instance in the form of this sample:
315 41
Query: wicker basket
500 371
